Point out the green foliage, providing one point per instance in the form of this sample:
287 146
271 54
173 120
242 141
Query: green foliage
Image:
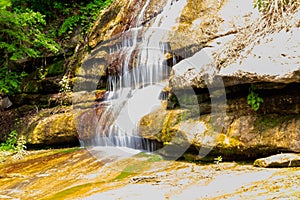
218 159
10 142
22 35
68 25
85 16
31 29
13 143
55 69
4 4
32 86
68 14
10 82
253 99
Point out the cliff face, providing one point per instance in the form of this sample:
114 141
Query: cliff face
235 74
224 58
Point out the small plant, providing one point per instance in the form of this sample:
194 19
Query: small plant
84 16
42 73
253 99
65 88
10 143
14 144
260 4
218 159
21 145
64 83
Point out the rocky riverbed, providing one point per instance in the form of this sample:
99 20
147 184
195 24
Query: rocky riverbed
113 173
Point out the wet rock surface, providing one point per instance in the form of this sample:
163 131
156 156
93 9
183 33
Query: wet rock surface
76 174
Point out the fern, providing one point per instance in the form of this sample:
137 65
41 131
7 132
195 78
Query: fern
85 17
68 24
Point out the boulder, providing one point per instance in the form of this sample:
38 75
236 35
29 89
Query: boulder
279 160
54 130
5 103
41 128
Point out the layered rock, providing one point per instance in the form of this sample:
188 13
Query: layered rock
275 59
279 160
55 130
267 60
223 48
241 137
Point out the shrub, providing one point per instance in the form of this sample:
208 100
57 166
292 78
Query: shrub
13 143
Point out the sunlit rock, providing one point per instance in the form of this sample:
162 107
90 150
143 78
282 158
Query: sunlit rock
279 160
55 130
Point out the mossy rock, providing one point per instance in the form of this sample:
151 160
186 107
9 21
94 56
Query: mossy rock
55 69
53 130
32 86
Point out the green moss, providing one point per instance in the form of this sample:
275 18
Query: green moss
265 122
172 119
69 150
70 191
137 167
32 87
55 69
124 174
129 170
155 158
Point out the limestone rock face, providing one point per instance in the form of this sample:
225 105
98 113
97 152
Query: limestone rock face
279 160
271 57
275 59
117 18
241 137
213 39
199 22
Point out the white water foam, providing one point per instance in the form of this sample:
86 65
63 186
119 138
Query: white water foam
136 91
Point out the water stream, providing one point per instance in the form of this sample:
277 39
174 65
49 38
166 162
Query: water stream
136 89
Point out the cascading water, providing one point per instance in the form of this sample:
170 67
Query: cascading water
136 89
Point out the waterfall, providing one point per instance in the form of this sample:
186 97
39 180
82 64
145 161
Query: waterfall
135 89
